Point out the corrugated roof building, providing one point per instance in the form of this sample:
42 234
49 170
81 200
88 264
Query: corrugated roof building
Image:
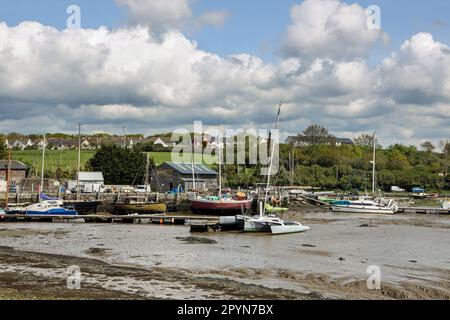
171 175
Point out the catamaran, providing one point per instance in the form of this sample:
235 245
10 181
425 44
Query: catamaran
271 223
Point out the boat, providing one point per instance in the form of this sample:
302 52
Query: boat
220 206
2 215
269 222
50 207
367 206
273 225
138 204
445 204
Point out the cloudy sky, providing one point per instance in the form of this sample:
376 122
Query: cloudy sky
158 65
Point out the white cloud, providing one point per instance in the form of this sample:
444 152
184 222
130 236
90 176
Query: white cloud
166 15
329 29
159 15
129 76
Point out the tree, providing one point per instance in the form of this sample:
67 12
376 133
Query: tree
317 134
428 146
364 140
119 165
3 151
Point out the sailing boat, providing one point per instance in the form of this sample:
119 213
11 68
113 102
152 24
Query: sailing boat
82 206
140 204
366 205
219 205
271 223
48 207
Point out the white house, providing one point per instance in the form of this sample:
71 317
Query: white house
160 142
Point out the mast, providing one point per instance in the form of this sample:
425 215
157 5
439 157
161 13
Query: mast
192 164
79 161
373 162
41 189
271 162
220 169
8 172
147 167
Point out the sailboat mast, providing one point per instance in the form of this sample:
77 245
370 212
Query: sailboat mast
41 189
147 167
220 169
79 161
373 162
271 161
8 173
193 156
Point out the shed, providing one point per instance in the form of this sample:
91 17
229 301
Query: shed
89 182
17 170
171 175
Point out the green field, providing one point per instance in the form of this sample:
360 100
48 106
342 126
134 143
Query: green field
67 159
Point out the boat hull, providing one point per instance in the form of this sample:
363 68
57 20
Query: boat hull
83 207
286 229
146 208
354 209
218 207
52 212
251 226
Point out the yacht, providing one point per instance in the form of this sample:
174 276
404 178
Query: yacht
50 207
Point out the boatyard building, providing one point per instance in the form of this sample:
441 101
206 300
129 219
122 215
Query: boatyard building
171 176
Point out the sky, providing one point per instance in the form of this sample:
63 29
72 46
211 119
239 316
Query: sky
158 65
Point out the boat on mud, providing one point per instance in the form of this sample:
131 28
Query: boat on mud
139 205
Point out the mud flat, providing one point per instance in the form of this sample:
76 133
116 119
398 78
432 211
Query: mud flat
167 262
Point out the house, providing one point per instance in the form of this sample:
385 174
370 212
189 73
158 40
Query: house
171 175
17 171
89 182
300 140
57 144
161 142
344 141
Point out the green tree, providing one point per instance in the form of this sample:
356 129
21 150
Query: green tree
428 146
317 134
119 165
3 151
364 140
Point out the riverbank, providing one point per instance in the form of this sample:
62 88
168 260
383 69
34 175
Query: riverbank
167 262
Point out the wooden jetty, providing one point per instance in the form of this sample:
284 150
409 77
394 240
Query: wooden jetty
423 210
137 219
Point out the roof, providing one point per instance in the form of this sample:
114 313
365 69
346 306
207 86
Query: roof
344 140
91 176
186 168
15 165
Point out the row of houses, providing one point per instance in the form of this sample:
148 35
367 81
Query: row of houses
87 143
299 141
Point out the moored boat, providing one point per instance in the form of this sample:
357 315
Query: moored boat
220 206
367 206
49 207
138 205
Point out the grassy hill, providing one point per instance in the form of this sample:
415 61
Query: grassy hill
67 159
